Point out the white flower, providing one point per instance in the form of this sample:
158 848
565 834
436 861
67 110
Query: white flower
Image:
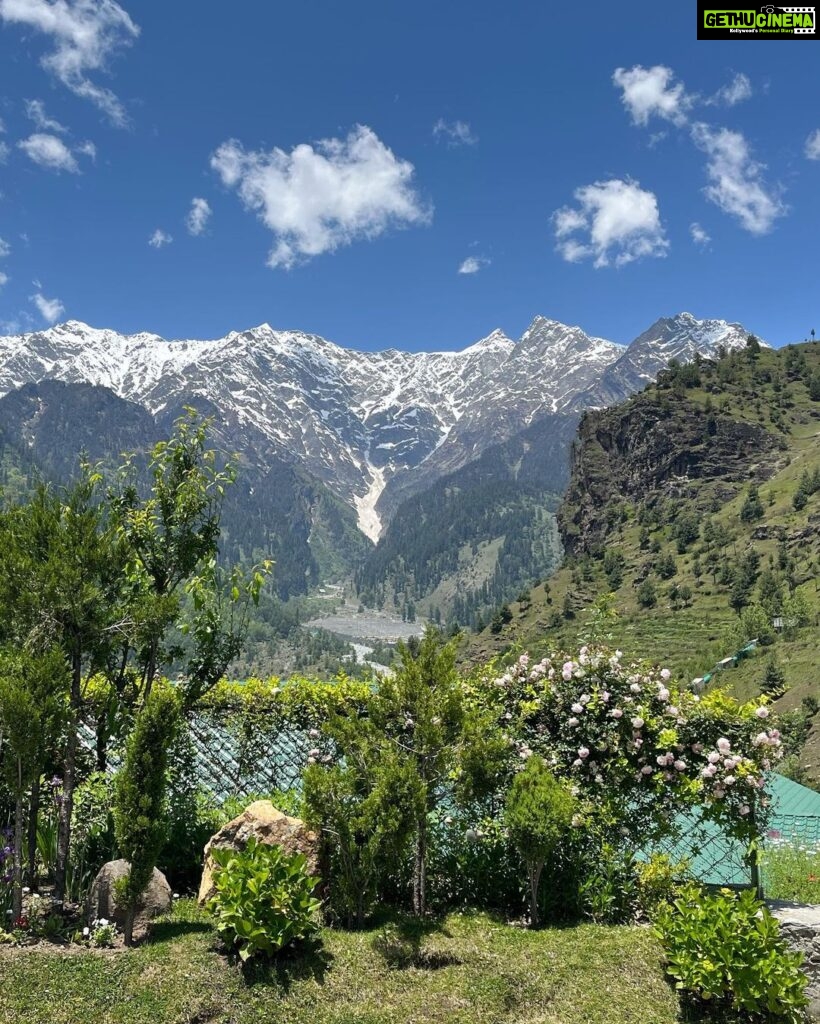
646 770
680 766
666 675
26 890
713 757
566 671
86 932
314 734
616 713
314 753
762 712
729 780
709 771
637 723
583 752
577 821
572 722
663 694
577 708
723 745
745 808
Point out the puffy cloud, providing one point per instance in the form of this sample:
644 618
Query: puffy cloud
50 152
50 309
454 133
159 239
3 278
318 198
198 216
5 248
699 235
738 90
84 35
650 92
736 182
618 222
473 264
812 149
36 112
88 149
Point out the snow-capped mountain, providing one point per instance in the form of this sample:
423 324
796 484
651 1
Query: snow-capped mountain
371 426
679 337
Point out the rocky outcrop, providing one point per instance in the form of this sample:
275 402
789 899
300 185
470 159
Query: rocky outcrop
267 825
658 444
155 900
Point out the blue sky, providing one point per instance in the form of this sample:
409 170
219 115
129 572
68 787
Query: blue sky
349 159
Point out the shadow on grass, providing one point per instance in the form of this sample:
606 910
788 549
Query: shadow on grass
306 961
166 931
400 941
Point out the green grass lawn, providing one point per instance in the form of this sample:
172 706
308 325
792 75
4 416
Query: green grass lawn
466 968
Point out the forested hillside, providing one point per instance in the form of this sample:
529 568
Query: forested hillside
696 505
478 536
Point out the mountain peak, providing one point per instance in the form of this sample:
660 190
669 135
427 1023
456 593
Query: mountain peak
496 340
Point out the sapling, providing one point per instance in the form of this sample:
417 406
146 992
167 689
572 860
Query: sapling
538 814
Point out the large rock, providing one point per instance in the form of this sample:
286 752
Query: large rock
269 826
155 900
800 927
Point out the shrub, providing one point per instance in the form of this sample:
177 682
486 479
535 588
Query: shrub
264 899
725 949
539 811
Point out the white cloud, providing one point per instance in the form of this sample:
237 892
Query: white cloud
198 216
36 112
473 264
455 133
699 235
619 222
736 182
318 198
50 309
813 145
738 90
5 248
650 92
88 149
2 126
84 34
159 239
49 151
4 278
4 152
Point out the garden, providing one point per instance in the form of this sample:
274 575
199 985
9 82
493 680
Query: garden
458 846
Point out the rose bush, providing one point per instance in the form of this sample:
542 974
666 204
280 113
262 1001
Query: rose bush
637 748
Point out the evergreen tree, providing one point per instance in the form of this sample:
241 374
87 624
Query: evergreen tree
140 794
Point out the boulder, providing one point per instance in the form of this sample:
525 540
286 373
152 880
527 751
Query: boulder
155 900
267 825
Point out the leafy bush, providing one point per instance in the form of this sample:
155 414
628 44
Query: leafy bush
724 949
659 881
264 898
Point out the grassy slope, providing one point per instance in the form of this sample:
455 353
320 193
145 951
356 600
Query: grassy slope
690 640
469 969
